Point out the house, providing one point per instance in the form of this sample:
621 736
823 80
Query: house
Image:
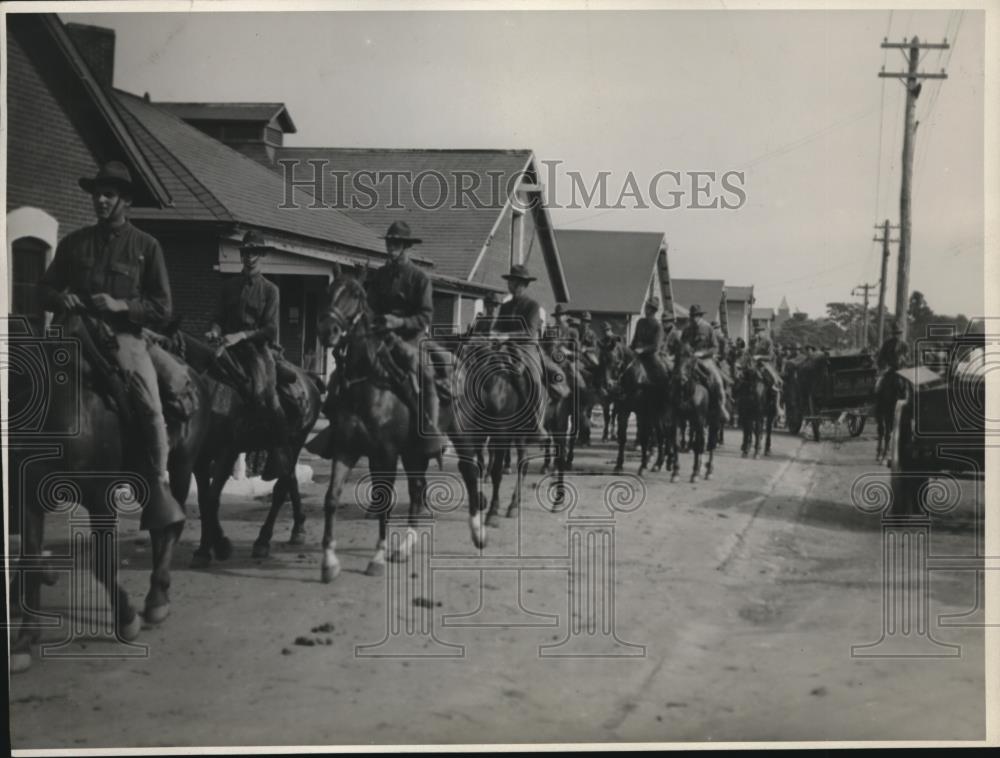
195 195
710 294
478 212
611 274
764 317
739 303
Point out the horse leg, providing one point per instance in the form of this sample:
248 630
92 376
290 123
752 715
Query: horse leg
547 460
383 494
29 631
467 468
745 424
622 424
506 461
515 498
212 538
163 541
104 567
341 469
262 545
769 424
298 536
756 435
499 449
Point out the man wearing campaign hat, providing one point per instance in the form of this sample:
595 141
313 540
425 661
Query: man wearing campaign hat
646 343
671 342
763 356
245 323
402 297
588 340
117 273
521 316
700 337
893 355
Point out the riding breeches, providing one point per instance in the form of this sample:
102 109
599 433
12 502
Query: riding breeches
136 363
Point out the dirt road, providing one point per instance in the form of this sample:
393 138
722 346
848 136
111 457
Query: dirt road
736 603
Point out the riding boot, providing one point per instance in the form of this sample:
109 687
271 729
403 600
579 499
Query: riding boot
279 457
432 442
161 510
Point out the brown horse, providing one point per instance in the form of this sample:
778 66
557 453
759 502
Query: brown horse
238 428
693 404
80 454
369 417
757 402
650 403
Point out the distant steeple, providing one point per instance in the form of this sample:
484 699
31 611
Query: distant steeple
783 308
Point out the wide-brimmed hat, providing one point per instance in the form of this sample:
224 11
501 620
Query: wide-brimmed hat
559 311
519 271
695 310
254 240
400 230
585 316
114 173
653 302
608 328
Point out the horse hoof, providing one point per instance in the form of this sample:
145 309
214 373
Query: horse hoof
402 553
223 549
743 454
298 537
260 550
618 470
767 452
506 470
756 454
478 530
330 568
20 662
673 478
201 560
512 511
375 568
130 630
493 520
156 615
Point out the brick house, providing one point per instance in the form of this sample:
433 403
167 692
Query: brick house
611 274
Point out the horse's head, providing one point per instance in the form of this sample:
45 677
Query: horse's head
684 367
347 304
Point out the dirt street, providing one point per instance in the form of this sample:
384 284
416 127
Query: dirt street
735 603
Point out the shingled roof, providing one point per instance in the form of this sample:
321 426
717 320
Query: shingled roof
208 181
704 292
254 112
453 237
608 271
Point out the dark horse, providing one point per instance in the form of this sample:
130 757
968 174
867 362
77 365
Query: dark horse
369 417
236 428
79 454
650 403
611 363
757 401
888 391
693 405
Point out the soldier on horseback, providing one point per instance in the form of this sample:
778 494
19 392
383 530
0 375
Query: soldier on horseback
521 316
246 325
671 343
117 274
646 344
892 356
402 297
483 322
565 349
700 337
588 340
763 357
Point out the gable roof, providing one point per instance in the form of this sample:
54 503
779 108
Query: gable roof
704 292
49 27
608 271
738 294
255 112
212 182
454 233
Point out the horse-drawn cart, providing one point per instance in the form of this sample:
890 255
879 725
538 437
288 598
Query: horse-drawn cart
939 424
831 388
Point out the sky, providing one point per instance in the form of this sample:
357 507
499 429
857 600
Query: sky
791 98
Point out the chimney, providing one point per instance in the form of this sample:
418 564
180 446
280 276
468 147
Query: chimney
97 47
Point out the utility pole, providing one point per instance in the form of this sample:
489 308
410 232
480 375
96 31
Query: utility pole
884 239
863 342
912 80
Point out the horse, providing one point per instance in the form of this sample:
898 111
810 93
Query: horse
654 418
887 392
236 427
588 363
82 456
611 362
693 405
758 406
368 416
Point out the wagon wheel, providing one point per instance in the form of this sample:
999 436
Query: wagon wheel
856 424
815 426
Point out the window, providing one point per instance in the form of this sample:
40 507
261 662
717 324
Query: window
28 266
